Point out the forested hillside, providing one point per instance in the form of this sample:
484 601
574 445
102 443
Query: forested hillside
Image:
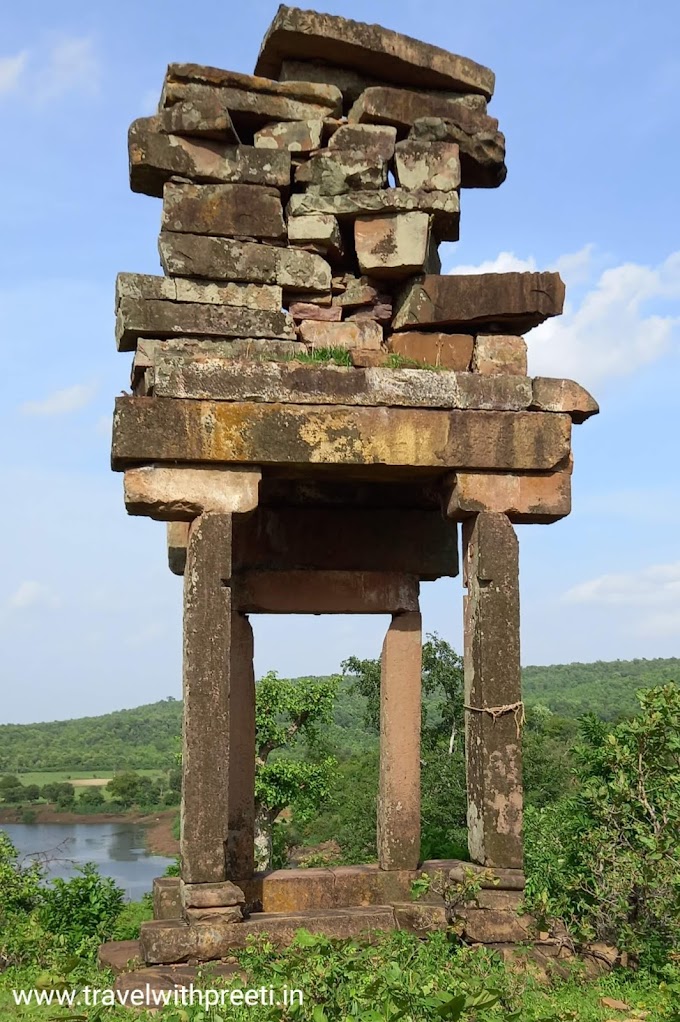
147 737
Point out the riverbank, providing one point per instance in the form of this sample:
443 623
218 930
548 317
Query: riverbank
158 827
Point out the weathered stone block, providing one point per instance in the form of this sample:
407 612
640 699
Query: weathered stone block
563 396
148 430
349 334
242 746
444 206
351 83
197 255
292 136
432 166
265 297
489 926
248 211
393 246
511 302
227 914
206 729
379 138
182 493
493 707
326 592
450 351
251 101
491 878
497 354
398 837
202 113
401 107
178 539
293 890
151 351
420 919
297 270
216 895
307 310
370 49
137 318
523 498
338 171
481 151
155 157
167 900
321 231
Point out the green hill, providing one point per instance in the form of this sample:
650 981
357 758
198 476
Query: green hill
147 737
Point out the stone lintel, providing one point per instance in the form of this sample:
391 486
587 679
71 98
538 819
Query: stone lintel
400 708
181 493
326 592
152 430
531 498
494 710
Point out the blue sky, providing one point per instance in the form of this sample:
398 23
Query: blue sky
588 98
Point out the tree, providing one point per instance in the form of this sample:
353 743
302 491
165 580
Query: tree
289 716
442 681
130 788
91 797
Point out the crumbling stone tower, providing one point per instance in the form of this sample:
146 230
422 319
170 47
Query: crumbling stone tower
315 410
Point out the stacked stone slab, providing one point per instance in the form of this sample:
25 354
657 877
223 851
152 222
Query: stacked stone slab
314 409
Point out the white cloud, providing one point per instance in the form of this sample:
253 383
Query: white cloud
653 593
609 330
32 594
70 399
46 73
11 71
71 66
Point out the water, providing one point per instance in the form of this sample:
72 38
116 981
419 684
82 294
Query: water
118 849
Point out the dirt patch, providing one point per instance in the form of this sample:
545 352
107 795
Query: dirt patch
90 782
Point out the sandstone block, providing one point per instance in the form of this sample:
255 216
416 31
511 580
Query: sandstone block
242 747
357 291
293 136
230 914
501 879
523 498
398 837
432 166
511 302
351 83
420 919
137 318
297 270
217 895
349 334
248 211
322 231
498 354
251 101
151 351
306 310
338 171
180 494
379 138
401 107
481 151
148 430
178 538
155 157
206 728
327 592
144 286
295 889
492 683
393 246
197 255
444 206
202 113
370 49
489 926
120 956
380 311
167 902
370 885
563 396
450 351
367 358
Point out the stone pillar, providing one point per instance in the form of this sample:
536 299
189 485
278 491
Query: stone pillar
399 790
493 714
206 672
241 837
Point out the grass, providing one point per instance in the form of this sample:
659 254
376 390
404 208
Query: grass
324 356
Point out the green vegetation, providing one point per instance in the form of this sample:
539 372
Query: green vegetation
324 356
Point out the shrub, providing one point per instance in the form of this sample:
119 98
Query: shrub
83 909
20 889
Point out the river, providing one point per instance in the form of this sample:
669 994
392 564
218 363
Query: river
117 849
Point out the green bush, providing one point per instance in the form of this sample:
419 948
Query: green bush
83 909
20 889
607 858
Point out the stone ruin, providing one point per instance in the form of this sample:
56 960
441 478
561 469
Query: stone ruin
315 411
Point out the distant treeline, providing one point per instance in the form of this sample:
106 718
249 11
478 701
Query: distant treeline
147 737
